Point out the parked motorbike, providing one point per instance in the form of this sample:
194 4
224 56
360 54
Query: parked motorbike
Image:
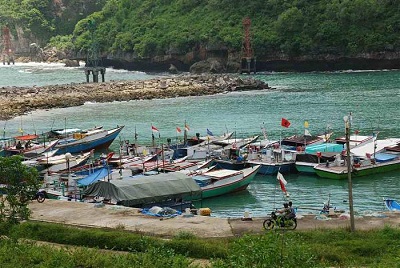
279 221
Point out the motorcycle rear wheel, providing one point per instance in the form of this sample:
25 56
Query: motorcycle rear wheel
268 224
293 224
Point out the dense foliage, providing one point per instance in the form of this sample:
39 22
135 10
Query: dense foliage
46 18
18 184
290 27
147 28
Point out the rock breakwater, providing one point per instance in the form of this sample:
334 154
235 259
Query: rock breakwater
15 101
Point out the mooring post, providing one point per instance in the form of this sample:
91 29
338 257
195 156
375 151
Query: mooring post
95 75
87 73
103 72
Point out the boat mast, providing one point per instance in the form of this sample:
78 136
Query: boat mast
136 136
347 120
185 134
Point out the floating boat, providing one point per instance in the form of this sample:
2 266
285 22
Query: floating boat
387 159
29 146
316 154
224 181
380 164
88 140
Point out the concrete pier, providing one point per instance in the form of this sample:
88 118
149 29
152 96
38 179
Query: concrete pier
95 71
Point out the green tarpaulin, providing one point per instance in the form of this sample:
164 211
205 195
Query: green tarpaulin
147 189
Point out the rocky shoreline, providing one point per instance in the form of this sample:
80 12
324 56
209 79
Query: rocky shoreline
16 101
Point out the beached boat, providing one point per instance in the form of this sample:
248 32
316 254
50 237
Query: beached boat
66 162
392 204
223 181
88 140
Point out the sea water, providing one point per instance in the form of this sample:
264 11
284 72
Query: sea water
321 98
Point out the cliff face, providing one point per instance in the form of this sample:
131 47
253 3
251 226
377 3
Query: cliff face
222 61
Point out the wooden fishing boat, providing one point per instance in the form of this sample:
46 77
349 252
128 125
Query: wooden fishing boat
273 159
362 168
29 146
387 159
88 140
224 181
69 163
316 154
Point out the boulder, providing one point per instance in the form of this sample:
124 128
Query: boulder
71 63
172 69
211 65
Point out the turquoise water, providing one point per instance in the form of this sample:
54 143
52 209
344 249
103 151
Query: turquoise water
322 99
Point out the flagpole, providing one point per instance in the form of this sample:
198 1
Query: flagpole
185 135
136 153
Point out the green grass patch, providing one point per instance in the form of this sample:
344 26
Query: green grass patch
317 248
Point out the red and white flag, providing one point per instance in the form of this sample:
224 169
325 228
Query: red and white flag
282 182
153 128
178 130
285 123
187 127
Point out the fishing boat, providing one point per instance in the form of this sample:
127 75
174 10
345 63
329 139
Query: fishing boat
29 146
392 204
223 181
87 140
387 159
316 154
65 162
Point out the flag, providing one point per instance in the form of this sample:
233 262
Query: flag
285 123
187 127
209 132
153 128
282 181
178 130
307 133
306 124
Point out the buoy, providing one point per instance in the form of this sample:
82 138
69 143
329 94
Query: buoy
205 212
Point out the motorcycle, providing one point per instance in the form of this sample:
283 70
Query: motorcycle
279 221
40 196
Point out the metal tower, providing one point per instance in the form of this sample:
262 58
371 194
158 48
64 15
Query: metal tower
8 55
248 63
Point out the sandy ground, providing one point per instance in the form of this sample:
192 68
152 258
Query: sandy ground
87 215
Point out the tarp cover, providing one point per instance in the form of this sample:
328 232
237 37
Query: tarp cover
145 190
95 176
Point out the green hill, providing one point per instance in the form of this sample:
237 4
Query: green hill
186 31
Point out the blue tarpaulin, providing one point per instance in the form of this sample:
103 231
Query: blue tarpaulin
95 176
381 157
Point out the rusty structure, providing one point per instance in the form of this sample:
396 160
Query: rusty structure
7 54
248 61
93 62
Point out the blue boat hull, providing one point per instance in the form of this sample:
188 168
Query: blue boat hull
100 143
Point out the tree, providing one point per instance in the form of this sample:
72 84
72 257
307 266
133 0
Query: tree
18 184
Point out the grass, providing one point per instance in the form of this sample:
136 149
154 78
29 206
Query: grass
317 248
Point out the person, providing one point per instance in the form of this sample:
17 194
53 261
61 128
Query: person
284 212
19 145
292 213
